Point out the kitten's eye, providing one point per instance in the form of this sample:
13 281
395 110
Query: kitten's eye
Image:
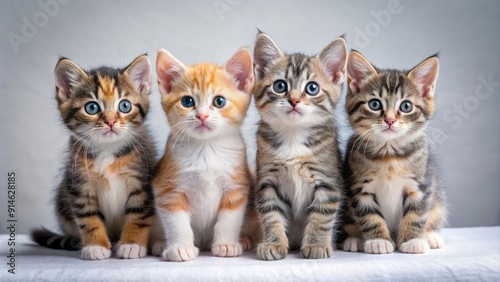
125 106
187 101
219 102
375 105
312 88
406 106
92 108
279 86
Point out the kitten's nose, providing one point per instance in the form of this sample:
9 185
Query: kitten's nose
110 123
294 102
202 117
390 121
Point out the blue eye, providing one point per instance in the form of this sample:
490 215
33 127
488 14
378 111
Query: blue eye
125 106
406 106
219 102
92 108
279 86
187 102
375 105
312 88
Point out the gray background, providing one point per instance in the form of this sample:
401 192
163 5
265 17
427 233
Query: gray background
92 33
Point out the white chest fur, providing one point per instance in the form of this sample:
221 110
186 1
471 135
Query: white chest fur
389 184
206 170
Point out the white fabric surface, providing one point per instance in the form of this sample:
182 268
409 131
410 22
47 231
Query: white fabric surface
470 254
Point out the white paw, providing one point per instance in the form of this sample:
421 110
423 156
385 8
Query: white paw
378 246
158 248
435 240
353 244
95 253
415 246
131 251
180 253
227 250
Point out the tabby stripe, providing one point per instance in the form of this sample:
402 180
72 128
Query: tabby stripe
263 92
90 214
424 112
71 114
362 212
356 107
135 210
270 208
141 110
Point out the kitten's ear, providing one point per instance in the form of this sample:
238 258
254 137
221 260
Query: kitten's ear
265 51
334 60
425 75
139 73
67 75
358 70
168 69
240 67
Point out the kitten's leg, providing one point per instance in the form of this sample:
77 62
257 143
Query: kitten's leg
156 237
95 241
139 212
410 234
173 210
272 208
229 220
318 235
435 222
371 223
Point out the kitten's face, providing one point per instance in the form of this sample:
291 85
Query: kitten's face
205 100
295 89
104 105
390 104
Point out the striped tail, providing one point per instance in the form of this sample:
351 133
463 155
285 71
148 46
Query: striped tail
49 239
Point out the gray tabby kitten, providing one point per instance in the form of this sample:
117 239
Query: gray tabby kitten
394 195
299 181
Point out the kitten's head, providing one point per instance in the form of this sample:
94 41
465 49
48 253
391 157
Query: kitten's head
295 89
205 100
389 104
104 105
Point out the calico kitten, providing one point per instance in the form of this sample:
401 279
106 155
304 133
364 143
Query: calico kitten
105 195
203 181
394 194
299 180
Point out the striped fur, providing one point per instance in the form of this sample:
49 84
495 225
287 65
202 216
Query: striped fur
298 189
394 196
203 181
105 195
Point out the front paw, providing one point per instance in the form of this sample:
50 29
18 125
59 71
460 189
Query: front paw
227 250
378 246
158 248
95 253
435 240
246 243
272 251
131 251
180 253
415 246
353 244
316 251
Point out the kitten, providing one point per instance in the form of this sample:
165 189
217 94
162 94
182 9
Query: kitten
299 182
105 195
203 181
394 193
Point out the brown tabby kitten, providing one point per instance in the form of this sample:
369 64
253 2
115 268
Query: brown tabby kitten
299 179
394 194
106 194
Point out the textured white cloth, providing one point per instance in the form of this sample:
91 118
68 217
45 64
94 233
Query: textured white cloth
470 254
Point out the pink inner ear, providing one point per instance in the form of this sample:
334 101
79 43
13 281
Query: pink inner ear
240 68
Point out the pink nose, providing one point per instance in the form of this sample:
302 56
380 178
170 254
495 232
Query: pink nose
202 117
110 123
390 121
294 102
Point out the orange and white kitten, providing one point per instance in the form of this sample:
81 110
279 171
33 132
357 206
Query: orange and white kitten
203 181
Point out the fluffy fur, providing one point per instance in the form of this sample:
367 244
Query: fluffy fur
395 199
105 195
203 181
299 182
